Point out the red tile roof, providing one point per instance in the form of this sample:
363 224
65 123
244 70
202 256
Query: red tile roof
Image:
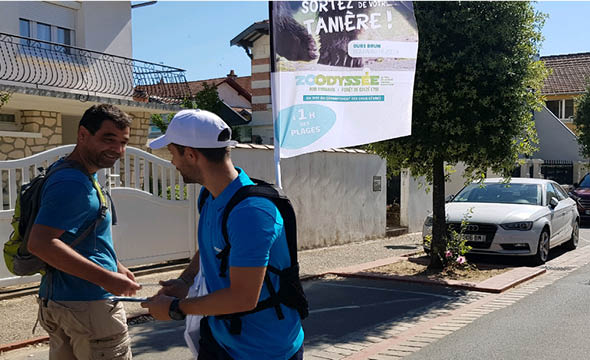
244 85
571 73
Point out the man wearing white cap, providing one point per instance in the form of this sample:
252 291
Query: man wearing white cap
200 145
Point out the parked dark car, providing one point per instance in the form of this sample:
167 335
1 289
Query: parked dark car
581 194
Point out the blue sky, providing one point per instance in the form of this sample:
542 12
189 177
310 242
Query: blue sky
195 35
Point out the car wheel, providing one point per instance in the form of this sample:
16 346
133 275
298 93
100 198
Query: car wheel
542 249
572 244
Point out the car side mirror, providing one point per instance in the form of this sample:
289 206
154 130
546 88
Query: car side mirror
449 198
553 202
576 185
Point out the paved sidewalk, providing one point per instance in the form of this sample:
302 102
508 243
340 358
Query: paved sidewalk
18 315
397 339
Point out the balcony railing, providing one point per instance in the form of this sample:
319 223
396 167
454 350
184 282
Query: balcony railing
57 66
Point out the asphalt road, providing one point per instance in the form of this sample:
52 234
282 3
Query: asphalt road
338 307
552 323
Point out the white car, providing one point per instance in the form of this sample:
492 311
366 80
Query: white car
526 217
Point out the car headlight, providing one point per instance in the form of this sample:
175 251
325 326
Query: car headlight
522 226
428 221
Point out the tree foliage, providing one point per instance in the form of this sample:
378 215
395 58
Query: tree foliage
582 122
477 83
4 97
206 99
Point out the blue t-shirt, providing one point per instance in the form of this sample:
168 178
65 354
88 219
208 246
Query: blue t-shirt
70 202
257 238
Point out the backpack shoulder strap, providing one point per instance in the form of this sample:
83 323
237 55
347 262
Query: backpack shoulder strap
202 198
70 164
268 191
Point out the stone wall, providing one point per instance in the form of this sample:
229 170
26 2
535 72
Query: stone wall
46 123
42 130
139 130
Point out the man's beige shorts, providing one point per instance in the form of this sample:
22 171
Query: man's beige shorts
83 330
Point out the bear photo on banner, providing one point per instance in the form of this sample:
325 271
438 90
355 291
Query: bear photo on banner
342 73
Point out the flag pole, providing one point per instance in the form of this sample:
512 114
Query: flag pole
274 95
278 167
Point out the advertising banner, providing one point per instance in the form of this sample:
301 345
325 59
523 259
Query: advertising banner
342 73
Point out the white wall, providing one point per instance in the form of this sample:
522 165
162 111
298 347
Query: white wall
231 97
331 192
103 26
556 141
36 11
261 48
415 202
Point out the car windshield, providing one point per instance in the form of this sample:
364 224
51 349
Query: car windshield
501 193
585 183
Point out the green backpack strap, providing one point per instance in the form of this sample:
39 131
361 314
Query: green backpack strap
101 197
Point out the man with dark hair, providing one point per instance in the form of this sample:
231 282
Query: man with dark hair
73 306
95 115
200 145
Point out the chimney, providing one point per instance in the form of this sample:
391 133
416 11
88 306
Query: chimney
232 74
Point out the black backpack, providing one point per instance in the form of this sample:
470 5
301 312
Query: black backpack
290 292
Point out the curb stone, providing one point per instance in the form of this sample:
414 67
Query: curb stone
496 284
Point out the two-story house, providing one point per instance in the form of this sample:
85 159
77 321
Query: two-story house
236 106
57 58
570 74
235 93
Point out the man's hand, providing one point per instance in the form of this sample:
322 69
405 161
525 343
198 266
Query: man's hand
45 243
158 306
174 287
123 270
120 285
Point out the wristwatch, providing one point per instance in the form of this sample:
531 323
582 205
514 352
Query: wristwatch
174 311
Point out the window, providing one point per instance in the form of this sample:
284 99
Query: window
500 193
46 32
25 30
562 109
569 108
64 36
560 192
7 118
553 106
9 121
551 193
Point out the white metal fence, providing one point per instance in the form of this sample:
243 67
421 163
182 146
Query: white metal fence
337 196
157 222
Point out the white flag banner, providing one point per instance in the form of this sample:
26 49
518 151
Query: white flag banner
342 73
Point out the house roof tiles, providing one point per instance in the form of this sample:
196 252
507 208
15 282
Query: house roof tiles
242 84
570 75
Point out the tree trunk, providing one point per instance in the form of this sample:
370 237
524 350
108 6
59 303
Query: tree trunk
439 226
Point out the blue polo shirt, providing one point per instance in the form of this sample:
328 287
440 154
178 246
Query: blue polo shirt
70 202
257 238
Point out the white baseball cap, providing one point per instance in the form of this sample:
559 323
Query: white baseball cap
194 128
